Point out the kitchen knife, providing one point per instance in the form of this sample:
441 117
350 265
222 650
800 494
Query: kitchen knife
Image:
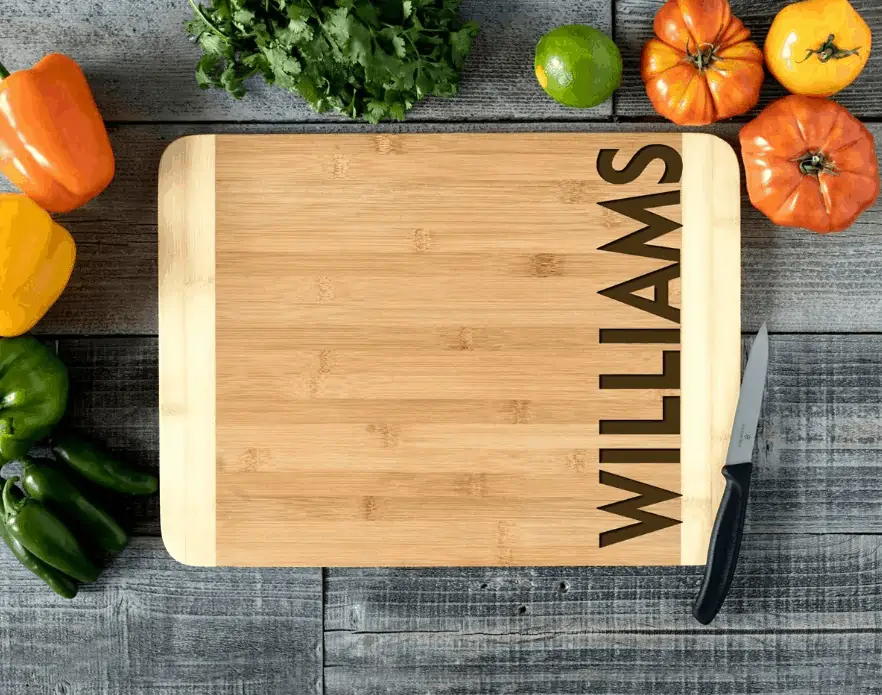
725 542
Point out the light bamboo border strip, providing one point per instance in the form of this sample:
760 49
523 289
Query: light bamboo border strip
186 353
711 331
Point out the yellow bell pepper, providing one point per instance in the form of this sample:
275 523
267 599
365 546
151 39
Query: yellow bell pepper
818 47
36 260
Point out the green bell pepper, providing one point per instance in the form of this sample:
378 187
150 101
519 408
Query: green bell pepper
33 394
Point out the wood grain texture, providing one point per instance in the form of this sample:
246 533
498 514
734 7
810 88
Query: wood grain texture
142 67
817 456
711 322
152 627
803 619
612 630
665 672
633 28
796 280
779 587
493 187
186 322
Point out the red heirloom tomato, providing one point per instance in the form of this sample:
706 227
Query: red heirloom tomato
810 164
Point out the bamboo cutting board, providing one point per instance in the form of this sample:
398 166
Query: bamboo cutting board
417 350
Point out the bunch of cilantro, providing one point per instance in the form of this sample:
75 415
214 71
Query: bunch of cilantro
360 58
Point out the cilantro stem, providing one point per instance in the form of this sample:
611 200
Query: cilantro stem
198 9
423 30
417 51
328 37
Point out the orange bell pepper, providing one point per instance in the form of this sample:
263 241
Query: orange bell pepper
53 143
36 260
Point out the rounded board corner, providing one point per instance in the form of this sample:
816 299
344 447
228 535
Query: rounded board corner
711 326
186 283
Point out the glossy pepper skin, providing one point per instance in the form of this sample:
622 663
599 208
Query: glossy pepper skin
59 582
36 259
818 47
96 465
53 143
51 487
810 163
33 394
46 536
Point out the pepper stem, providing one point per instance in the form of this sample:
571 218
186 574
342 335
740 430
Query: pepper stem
4 73
828 51
9 503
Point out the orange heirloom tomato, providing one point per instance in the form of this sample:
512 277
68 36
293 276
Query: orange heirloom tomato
701 68
810 163
818 47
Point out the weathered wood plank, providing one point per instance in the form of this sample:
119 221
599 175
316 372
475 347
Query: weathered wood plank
784 628
814 663
816 467
633 28
142 67
796 280
817 463
152 626
782 584
109 38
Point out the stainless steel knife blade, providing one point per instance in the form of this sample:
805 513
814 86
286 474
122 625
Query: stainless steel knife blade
750 401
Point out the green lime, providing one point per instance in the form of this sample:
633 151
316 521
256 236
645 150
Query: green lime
578 65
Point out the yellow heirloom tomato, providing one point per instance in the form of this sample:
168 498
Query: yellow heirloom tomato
818 47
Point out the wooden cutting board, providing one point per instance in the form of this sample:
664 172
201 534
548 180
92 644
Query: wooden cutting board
424 350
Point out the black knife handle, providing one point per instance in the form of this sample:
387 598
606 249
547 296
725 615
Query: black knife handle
725 542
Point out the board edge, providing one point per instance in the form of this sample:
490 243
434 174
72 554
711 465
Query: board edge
710 331
186 265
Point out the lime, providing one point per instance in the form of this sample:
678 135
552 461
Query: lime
578 65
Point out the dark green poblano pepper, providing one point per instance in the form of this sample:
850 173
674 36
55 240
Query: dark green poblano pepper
95 464
56 580
45 535
48 485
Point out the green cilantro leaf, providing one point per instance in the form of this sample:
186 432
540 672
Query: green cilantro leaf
296 31
243 17
232 82
370 59
205 70
359 42
213 44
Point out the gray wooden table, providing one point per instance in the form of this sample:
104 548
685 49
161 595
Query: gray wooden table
805 611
